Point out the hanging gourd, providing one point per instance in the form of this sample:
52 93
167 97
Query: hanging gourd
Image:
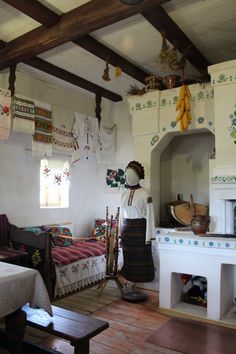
105 75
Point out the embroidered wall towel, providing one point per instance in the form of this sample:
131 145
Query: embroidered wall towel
42 138
5 113
62 124
23 114
87 131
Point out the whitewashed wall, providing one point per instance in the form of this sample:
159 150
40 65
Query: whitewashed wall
19 172
124 154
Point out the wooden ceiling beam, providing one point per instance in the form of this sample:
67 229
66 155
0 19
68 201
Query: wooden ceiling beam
46 17
82 20
101 51
62 74
35 10
73 79
162 21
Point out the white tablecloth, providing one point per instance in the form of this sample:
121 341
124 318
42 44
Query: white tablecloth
20 285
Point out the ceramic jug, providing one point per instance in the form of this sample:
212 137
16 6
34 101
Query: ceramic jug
200 224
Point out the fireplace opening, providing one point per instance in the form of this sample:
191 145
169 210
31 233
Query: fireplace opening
184 171
228 218
194 290
189 293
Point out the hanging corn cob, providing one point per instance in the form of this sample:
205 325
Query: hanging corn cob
118 71
183 106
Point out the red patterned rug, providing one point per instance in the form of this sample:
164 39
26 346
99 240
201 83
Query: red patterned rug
194 337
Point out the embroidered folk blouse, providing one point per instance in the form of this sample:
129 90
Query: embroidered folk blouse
137 204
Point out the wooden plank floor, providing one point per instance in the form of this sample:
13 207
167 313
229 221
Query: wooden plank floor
130 324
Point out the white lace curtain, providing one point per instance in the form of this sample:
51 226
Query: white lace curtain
54 183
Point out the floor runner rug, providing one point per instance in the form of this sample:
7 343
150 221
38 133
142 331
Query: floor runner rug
194 337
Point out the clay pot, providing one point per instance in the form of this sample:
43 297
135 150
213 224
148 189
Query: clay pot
171 81
200 224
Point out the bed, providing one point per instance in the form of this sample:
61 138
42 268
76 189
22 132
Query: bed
66 263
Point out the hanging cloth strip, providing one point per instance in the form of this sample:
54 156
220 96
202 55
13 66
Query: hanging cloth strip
5 113
75 133
86 133
23 114
42 138
62 137
108 141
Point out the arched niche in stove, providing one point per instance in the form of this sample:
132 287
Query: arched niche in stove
180 165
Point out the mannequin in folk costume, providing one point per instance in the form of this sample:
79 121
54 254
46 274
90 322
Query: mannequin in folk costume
138 228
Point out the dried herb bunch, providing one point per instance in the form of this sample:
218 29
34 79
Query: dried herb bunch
169 56
135 90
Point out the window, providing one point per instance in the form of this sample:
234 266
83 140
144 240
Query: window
54 184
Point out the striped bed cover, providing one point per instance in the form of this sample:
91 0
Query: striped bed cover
76 251
79 265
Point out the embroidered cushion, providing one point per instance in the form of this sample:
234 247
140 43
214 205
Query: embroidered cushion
61 236
101 227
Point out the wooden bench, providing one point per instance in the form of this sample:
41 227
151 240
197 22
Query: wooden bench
78 329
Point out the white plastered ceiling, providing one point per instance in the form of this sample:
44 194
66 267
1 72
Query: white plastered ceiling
209 24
